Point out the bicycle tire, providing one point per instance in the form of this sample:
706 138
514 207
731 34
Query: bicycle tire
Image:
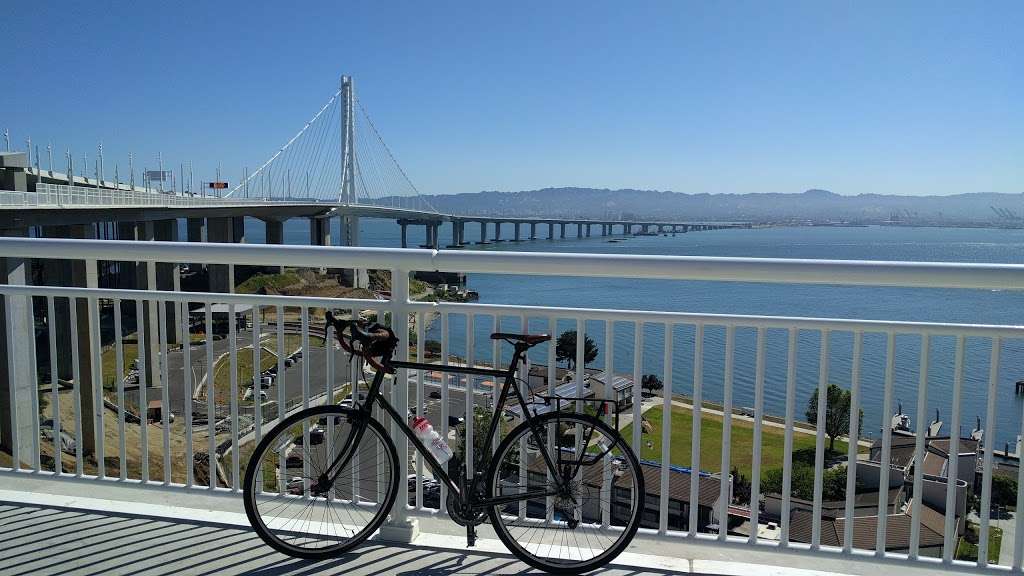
374 429
627 531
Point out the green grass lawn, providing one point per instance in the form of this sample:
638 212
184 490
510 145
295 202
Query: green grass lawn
742 445
967 551
222 375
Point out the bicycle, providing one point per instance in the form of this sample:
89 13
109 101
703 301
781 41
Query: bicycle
324 479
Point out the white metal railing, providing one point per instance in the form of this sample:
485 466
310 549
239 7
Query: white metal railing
699 354
63 196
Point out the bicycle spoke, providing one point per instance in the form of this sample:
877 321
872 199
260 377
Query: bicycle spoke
574 538
301 517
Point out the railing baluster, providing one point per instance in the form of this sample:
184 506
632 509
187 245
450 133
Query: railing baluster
96 375
233 396
580 368
525 375
119 378
990 432
470 396
609 393
954 454
329 399
853 446
257 375
211 415
698 378
186 374
140 342
1018 534
755 465
724 491
76 386
281 400
638 355
666 432
787 450
445 379
421 375
165 399
922 407
549 503
12 377
58 428
883 482
819 441
33 374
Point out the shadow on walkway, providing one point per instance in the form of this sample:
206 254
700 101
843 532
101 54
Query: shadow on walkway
55 540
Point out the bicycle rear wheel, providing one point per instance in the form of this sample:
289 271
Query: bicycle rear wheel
284 499
578 517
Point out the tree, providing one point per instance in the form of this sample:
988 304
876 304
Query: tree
481 424
650 383
1004 491
565 349
740 487
837 413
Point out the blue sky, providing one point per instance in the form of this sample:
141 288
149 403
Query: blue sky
909 97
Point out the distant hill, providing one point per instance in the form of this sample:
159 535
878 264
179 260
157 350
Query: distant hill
814 205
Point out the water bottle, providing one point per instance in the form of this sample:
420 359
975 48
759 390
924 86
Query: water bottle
431 439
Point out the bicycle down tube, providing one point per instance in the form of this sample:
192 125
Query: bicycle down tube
374 395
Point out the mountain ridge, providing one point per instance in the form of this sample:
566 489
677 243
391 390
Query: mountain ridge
815 204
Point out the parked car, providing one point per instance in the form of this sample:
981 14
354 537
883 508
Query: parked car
248 394
316 436
338 420
434 394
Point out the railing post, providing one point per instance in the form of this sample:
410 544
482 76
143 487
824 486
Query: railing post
17 422
399 527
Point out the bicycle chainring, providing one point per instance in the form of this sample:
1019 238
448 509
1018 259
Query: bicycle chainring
461 516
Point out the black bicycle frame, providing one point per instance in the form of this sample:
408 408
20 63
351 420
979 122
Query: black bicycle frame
373 395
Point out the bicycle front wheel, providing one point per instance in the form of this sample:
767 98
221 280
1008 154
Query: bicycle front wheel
570 501
291 505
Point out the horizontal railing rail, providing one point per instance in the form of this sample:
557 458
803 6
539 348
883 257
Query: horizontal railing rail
723 434
726 269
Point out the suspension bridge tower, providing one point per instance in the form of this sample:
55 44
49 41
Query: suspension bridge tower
347 196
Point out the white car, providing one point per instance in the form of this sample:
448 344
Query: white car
248 394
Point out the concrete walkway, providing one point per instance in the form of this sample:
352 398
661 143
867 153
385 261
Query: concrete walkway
58 540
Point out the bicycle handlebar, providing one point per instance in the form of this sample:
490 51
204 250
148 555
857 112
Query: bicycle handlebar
375 340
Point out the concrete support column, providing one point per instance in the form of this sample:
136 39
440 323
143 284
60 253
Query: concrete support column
146 278
220 230
483 233
497 231
274 231
533 230
126 270
20 428
355 277
579 230
320 231
516 234
428 235
405 227
168 278
551 230
456 241
435 235
588 230
196 228
562 224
